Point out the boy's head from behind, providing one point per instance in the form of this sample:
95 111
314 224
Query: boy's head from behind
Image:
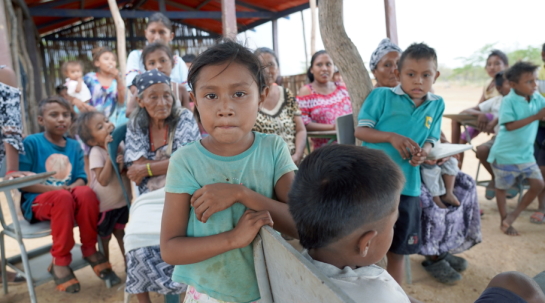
502 85
72 70
344 202
522 77
417 70
93 128
55 115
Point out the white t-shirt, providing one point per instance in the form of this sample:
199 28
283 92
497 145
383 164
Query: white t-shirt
84 94
136 67
492 106
365 284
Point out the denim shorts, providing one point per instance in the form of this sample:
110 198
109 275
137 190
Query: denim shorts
507 174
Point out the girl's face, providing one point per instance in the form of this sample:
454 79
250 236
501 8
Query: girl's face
323 68
159 60
384 72
271 67
494 65
157 100
100 127
158 32
106 62
227 98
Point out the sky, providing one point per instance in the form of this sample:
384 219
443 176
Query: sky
455 28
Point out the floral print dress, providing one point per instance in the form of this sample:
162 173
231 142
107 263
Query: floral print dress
11 129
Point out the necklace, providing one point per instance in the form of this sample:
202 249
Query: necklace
151 139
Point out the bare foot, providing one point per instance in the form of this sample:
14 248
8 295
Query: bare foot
507 228
451 199
438 202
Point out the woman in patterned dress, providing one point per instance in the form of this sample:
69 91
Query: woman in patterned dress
279 113
323 100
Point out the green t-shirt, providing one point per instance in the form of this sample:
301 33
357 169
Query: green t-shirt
230 276
516 146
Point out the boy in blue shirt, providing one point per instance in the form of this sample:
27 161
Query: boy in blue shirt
63 199
405 122
512 155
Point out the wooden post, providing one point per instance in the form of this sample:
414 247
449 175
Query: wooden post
5 52
313 27
162 6
229 19
275 36
304 39
391 24
121 40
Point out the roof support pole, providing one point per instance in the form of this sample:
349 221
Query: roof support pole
121 48
275 36
229 19
313 27
5 52
391 24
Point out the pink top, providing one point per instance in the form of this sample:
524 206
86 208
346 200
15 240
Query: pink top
324 109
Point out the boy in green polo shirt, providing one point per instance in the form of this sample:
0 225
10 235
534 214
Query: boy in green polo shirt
512 155
405 122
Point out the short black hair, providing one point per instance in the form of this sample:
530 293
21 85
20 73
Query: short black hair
82 125
499 79
155 46
54 99
266 50
498 53
310 76
514 73
59 88
418 51
189 58
159 17
340 188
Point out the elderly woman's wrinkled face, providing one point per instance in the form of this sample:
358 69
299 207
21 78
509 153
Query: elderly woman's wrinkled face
157 100
384 73
271 67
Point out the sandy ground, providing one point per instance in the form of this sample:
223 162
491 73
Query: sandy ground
497 252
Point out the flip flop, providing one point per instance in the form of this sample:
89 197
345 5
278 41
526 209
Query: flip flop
68 284
537 218
442 271
512 192
103 269
459 264
490 193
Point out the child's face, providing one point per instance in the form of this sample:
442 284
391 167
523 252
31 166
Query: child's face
56 119
494 65
159 60
417 77
526 86
323 68
227 98
157 101
73 71
100 128
271 68
158 32
106 62
504 89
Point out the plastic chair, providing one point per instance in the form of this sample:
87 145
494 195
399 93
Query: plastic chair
345 129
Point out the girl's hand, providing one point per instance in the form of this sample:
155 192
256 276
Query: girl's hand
419 157
248 226
137 172
214 198
108 139
405 146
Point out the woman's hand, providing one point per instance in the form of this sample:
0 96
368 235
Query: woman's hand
18 174
214 198
296 158
248 226
482 121
405 146
137 172
120 162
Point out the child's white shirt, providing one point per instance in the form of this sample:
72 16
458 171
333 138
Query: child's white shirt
84 94
364 284
492 106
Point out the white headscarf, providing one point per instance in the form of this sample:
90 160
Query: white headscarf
385 46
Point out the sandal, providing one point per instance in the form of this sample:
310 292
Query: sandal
442 271
538 218
67 284
459 264
512 192
490 193
103 269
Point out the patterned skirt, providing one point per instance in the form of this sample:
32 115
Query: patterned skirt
452 229
147 272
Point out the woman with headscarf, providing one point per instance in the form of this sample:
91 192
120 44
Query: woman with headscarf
445 231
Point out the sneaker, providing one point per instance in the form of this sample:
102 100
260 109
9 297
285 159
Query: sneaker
459 264
442 271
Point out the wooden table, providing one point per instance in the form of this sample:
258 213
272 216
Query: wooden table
326 134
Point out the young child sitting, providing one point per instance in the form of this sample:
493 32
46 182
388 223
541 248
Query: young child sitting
344 201
512 155
95 130
405 122
439 177
73 71
63 199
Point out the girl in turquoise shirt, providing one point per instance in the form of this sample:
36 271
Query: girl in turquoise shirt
221 190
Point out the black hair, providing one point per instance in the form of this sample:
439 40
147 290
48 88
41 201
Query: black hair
189 58
159 17
54 99
340 188
155 46
82 125
266 50
418 51
98 51
498 53
310 76
59 88
499 79
514 73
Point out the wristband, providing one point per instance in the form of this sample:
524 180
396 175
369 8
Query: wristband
149 170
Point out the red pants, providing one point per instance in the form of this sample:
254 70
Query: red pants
64 209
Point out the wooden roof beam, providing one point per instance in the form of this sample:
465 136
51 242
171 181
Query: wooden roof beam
205 2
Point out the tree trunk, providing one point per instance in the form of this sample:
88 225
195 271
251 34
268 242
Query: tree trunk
344 53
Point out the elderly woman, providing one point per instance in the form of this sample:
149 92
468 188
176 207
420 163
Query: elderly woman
157 129
279 114
444 230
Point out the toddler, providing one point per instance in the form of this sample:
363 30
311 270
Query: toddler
439 177
73 71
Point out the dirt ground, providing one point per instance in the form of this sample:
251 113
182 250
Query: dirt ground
497 253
